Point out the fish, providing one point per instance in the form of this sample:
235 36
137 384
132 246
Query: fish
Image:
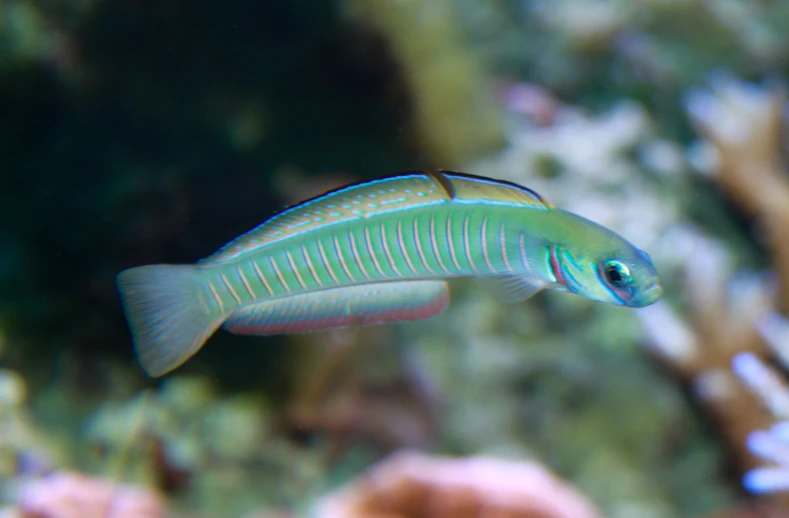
376 252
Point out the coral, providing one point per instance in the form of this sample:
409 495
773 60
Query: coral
530 100
187 440
411 484
226 455
722 311
598 52
26 452
731 320
771 445
743 123
74 495
584 22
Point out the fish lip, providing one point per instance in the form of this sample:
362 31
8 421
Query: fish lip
647 296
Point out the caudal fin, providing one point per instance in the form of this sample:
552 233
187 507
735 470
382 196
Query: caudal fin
167 319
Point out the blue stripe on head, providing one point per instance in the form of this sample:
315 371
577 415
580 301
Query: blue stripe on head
571 282
571 286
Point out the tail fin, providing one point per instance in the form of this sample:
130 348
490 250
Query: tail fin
168 321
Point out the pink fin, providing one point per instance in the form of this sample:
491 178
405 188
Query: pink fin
361 305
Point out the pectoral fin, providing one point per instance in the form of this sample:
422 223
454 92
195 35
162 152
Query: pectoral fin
361 305
513 288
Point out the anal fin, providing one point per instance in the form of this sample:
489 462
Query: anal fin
361 305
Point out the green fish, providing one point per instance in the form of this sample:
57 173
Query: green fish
375 252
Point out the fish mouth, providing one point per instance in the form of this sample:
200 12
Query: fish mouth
647 296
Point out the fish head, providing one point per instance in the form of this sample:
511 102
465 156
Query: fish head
625 279
605 267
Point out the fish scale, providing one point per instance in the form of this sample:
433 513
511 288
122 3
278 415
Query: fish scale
350 257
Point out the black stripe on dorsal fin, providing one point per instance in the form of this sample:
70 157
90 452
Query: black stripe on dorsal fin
534 194
445 183
437 176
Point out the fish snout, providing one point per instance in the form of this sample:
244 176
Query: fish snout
650 294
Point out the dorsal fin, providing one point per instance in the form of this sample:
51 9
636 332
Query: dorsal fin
404 191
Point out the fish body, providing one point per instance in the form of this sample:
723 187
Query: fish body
374 252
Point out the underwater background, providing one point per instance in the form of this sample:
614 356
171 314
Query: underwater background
136 132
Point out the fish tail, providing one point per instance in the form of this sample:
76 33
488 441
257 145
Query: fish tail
167 314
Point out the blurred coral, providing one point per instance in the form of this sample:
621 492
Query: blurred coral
743 123
720 324
25 450
734 326
74 495
532 101
771 445
410 484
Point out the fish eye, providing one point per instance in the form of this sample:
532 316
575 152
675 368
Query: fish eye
617 274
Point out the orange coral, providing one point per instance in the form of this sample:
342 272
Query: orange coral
411 484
